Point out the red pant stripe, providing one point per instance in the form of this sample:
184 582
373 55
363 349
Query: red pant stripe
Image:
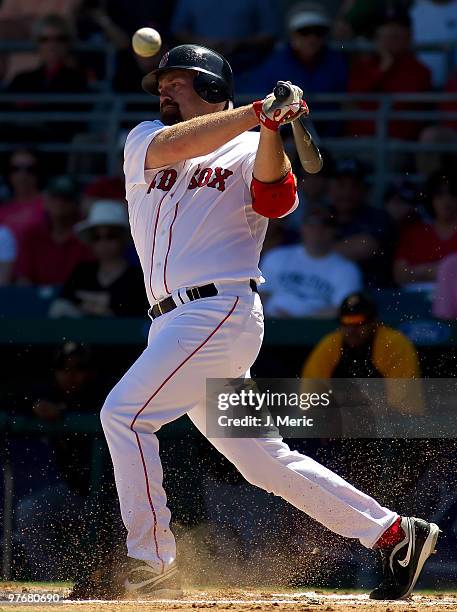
146 478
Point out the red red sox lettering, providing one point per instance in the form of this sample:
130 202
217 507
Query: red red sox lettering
209 177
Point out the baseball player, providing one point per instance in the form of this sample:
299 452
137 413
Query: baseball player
200 188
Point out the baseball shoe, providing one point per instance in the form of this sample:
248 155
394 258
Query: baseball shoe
101 580
143 581
92 587
403 563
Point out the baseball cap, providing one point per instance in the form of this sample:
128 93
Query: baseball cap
357 309
64 187
350 167
307 15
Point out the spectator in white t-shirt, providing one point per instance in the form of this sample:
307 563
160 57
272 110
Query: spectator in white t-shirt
8 252
308 279
435 22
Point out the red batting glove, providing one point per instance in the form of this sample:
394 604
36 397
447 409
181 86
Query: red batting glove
291 116
273 124
263 119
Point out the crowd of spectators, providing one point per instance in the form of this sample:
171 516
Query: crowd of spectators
335 243
352 235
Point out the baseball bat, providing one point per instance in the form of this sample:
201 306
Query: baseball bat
305 143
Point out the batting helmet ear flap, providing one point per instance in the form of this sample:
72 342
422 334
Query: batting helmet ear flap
211 89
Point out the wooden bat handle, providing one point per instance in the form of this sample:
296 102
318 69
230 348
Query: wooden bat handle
308 152
281 91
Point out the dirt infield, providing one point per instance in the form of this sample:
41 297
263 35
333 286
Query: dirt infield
15 597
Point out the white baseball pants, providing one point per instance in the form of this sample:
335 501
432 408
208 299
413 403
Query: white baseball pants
217 337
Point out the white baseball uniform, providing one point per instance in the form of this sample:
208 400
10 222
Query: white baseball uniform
193 224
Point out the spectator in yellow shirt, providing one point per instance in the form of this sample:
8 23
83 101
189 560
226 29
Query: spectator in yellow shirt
363 347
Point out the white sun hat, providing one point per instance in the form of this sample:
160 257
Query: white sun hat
307 15
112 213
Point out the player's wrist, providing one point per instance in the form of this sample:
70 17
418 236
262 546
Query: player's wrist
252 114
271 139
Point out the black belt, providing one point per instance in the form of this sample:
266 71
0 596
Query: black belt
194 293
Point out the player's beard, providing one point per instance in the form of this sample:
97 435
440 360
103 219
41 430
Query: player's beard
170 114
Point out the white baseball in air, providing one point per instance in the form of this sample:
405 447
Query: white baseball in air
146 42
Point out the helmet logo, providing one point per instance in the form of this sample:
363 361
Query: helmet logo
164 60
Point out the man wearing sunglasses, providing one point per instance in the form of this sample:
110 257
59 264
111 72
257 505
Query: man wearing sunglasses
56 70
50 250
305 58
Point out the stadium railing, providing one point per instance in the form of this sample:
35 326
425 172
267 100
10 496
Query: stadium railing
107 115
107 53
21 307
